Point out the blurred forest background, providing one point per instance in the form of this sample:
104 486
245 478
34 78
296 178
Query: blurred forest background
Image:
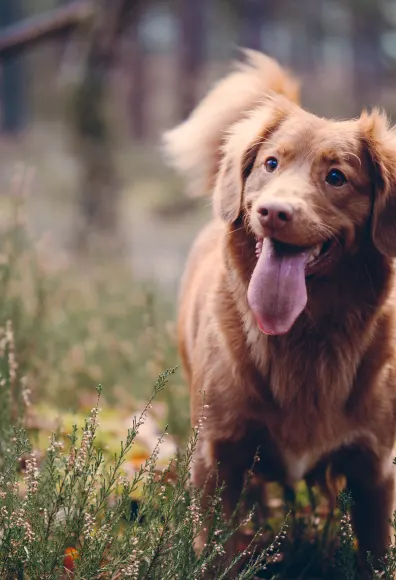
88 86
86 89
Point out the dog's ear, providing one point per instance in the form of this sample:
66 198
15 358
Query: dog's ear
239 154
228 192
381 144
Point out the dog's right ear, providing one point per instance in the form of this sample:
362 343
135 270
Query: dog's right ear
239 155
228 191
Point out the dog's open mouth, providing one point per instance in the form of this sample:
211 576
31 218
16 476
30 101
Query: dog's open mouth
277 292
319 256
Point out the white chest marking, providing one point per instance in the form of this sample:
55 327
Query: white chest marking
298 466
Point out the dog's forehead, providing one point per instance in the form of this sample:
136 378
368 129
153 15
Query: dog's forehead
307 134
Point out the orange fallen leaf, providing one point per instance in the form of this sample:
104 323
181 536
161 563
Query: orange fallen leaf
138 460
70 556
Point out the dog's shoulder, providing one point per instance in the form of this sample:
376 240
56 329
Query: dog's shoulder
203 269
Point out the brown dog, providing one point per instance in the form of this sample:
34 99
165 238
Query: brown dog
286 314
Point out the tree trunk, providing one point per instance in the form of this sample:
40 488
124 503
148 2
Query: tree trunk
192 21
315 34
368 58
12 84
136 70
251 17
100 188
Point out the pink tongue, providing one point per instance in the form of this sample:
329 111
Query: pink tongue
277 293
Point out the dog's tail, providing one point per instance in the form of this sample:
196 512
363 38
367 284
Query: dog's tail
194 147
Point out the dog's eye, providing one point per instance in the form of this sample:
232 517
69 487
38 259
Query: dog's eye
336 178
271 164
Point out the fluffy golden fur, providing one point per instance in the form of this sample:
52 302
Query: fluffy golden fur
322 392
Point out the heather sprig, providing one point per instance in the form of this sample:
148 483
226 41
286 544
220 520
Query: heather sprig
346 555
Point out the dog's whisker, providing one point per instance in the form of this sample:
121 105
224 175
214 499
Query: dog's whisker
328 231
226 233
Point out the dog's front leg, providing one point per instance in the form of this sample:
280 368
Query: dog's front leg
209 473
371 512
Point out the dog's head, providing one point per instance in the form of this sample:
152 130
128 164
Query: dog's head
310 190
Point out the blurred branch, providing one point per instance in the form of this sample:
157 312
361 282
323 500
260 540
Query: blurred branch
57 22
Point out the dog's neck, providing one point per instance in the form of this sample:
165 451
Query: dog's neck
339 306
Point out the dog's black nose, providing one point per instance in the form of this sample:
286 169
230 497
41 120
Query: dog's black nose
274 215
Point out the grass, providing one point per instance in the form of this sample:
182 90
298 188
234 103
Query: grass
83 323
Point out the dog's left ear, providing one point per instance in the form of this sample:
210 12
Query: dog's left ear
381 143
239 153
